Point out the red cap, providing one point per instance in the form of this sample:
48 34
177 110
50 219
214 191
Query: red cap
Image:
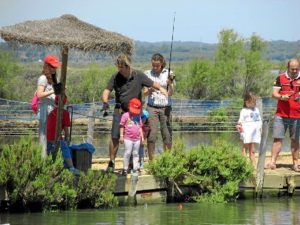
135 106
52 60
57 98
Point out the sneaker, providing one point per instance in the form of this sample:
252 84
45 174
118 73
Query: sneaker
124 172
111 167
74 170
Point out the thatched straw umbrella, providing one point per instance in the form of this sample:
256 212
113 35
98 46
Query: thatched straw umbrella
68 32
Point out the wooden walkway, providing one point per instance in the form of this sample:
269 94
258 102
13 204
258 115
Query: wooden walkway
279 182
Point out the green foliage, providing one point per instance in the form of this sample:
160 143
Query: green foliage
172 169
218 119
217 170
87 85
96 190
32 181
8 70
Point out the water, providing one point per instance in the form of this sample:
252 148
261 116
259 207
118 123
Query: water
283 211
190 139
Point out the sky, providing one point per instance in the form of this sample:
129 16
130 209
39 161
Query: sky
152 20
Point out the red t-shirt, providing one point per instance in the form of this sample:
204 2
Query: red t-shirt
290 108
51 124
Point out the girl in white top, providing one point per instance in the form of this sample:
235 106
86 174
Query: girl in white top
249 126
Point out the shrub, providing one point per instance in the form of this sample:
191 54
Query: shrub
35 183
216 170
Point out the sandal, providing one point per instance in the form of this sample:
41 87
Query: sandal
296 168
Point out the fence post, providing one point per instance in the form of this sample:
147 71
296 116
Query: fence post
91 124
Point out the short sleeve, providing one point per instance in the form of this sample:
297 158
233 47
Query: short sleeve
276 83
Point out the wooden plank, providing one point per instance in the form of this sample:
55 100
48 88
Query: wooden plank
274 181
145 183
144 198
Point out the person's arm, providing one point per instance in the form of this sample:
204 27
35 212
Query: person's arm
170 89
67 134
276 95
142 135
105 95
147 91
41 93
121 134
157 86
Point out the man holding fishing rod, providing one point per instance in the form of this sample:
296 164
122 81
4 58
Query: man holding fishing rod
286 90
127 83
159 106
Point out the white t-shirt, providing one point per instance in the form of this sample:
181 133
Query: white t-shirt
251 124
156 98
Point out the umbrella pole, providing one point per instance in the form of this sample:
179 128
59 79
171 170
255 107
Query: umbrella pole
64 54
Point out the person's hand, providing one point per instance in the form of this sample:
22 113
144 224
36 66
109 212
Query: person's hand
285 97
105 106
239 127
163 91
171 78
121 140
57 88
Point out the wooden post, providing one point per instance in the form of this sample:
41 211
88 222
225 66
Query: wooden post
64 54
91 124
262 156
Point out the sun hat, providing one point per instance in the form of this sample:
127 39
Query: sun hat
135 106
52 60
57 98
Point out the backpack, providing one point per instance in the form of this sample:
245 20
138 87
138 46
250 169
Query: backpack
35 103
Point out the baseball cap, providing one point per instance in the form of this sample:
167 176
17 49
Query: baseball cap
57 98
135 106
52 60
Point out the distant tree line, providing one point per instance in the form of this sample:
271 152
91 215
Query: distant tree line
232 67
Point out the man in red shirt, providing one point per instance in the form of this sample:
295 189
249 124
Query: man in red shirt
286 90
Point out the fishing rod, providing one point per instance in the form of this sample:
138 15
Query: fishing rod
171 76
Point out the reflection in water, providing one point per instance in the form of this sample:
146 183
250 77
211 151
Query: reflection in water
265 211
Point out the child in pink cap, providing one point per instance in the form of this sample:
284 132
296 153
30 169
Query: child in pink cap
131 134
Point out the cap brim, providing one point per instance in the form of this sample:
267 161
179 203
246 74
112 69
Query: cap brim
134 110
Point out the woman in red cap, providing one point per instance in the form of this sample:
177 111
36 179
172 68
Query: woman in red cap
45 93
131 134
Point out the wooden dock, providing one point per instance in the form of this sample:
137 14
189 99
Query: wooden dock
147 189
280 182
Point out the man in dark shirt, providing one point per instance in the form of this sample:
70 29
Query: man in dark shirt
127 83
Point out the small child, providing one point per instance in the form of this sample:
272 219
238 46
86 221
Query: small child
249 126
146 129
65 127
131 134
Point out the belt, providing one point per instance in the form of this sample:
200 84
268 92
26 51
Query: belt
157 107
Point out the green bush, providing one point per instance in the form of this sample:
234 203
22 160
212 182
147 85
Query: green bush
36 183
215 170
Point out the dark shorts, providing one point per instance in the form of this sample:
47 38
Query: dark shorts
115 130
282 124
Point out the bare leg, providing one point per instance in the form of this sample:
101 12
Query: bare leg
244 149
276 148
113 148
252 154
295 152
151 149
